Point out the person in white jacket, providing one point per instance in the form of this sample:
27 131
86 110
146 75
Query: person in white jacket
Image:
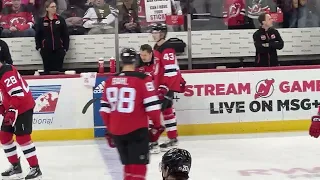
100 18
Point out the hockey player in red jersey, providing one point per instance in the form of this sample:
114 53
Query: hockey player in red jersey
176 164
130 99
169 81
314 130
16 106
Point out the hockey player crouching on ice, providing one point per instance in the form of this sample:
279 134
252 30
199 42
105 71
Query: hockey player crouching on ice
167 79
16 106
130 99
176 164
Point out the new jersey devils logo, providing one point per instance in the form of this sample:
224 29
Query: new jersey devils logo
264 88
234 10
256 9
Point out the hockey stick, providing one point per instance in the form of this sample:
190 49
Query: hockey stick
88 104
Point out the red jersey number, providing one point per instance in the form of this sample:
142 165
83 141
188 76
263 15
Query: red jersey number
121 99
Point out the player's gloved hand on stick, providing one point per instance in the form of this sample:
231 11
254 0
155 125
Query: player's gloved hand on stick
162 91
110 140
10 117
314 130
155 132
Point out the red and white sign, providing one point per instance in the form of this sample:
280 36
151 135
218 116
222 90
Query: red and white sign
175 20
156 10
249 96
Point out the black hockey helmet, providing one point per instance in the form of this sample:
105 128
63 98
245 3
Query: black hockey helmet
176 161
160 27
128 56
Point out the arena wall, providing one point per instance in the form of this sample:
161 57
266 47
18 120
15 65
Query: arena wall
225 101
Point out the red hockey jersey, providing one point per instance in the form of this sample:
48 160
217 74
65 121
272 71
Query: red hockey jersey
15 90
129 99
22 19
234 12
169 71
151 69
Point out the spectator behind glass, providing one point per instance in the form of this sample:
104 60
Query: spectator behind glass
128 17
100 18
9 2
17 20
73 16
52 38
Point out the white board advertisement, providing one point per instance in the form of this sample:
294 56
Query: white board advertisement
249 96
59 104
156 10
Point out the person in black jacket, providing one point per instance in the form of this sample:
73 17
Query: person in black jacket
267 41
52 38
5 56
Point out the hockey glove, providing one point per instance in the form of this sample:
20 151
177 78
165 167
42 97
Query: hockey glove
110 140
314 130
10 117
162 91
155 133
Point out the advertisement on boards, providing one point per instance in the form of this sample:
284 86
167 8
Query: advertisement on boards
59 103
98 90
46 98
249 96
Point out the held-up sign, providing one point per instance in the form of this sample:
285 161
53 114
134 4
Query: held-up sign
156 10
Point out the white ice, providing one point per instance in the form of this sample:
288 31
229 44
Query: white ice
223 157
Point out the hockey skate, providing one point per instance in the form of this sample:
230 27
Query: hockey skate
13 173
154 148
34 174
171 143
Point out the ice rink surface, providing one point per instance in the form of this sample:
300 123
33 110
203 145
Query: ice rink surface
237 157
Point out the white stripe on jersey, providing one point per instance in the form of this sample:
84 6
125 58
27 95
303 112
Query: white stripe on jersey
171 70
16 91
105 106
152 103
105 109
